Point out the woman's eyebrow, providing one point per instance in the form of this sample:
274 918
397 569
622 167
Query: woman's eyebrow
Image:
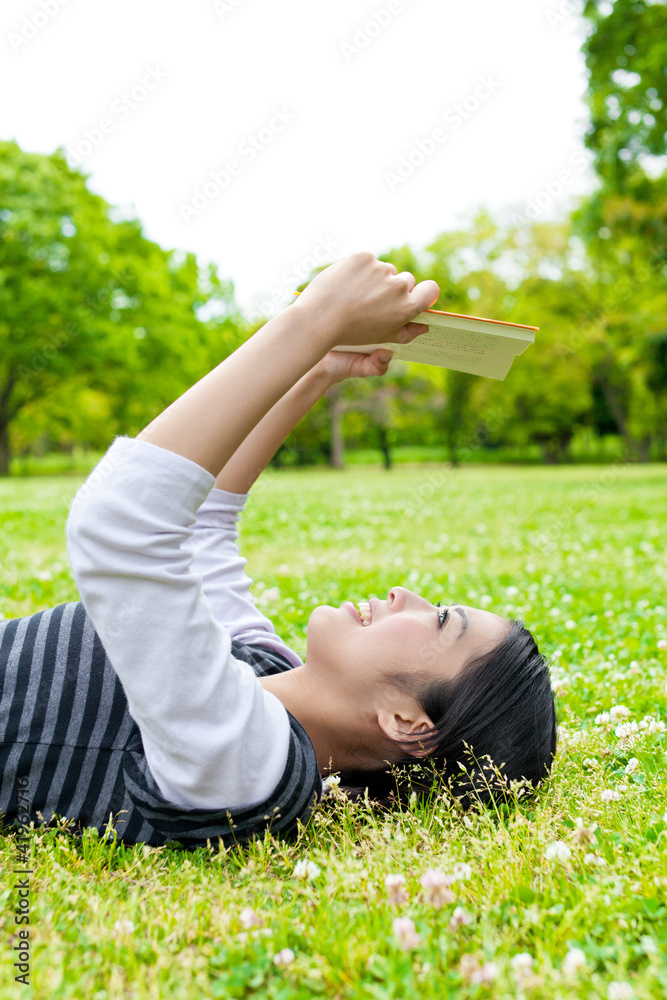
464 618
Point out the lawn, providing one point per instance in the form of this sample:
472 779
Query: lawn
579 554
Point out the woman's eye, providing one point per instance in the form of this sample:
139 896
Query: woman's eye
443 616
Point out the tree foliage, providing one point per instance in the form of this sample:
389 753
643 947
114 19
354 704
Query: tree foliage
88 303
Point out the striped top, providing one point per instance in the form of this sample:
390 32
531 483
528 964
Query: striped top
70 748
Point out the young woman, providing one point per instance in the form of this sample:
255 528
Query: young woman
165 704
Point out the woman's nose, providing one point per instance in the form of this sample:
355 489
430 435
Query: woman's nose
400 597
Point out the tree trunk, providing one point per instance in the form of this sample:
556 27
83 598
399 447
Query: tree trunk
457 388
384 445
336 411
5 416
637 449
4 447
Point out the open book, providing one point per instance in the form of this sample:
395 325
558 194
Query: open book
462 343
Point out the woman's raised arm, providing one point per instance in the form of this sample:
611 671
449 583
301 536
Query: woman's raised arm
358 300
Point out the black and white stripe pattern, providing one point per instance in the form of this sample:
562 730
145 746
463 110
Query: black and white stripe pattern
65 726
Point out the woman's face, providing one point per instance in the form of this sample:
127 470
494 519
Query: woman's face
406 635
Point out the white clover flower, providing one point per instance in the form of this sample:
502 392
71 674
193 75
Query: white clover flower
609 795
459 917
574 960
405 932
558 851
284 957
626 729
583 834
622 788
435 884
522 963
619 712
570 624
620 991
661 644
124 926
486 974
306 869
656 727
462 871
395 885
603 719
590 762
333 781
248 917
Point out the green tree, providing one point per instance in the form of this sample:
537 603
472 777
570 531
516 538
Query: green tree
87 302
624 223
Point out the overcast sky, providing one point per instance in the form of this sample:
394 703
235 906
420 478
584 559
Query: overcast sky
331 127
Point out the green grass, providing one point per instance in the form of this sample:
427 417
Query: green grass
579 554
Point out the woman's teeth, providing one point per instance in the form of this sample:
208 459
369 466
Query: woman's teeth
365 612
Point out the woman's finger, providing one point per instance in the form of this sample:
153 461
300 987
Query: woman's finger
409 278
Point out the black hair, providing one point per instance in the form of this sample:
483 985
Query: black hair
493 724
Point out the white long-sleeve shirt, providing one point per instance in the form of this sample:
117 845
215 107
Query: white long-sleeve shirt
153 549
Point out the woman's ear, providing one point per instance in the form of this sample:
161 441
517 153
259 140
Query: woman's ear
398 725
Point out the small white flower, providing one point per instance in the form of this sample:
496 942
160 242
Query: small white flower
661 644
609 795
656 727
583 834
462 870
486 974
570 624
405 933
459 917
558 851
594 859
619 712
435 884
626 729
603 719
124 926
590 762
248 917
522 963
622 788
306 869
620 991
575 959
284 957
333 781
395 885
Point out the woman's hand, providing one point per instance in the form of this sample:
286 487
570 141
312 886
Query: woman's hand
336 366
363 300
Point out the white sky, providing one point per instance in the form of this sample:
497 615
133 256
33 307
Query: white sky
351 115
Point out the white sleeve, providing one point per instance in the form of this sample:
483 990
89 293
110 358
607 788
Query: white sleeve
213 737
222 568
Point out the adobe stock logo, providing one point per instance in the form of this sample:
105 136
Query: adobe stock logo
365 33
454 117
322 252
248 151
32 24
121 108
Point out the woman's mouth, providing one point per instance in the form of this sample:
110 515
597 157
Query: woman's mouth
360 613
